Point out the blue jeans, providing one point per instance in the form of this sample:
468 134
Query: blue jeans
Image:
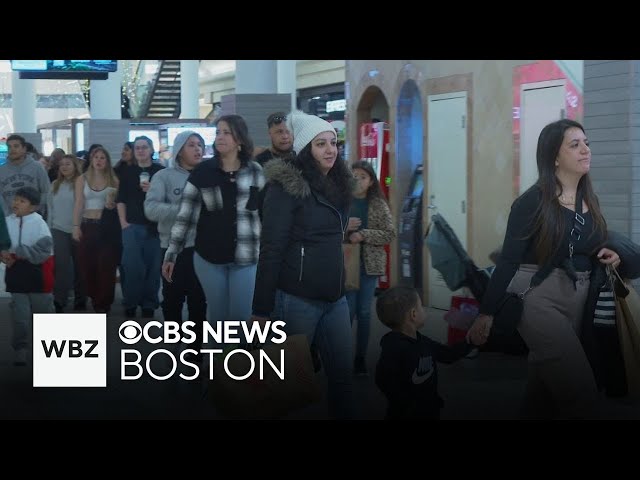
23 306
360 305
327 325
142 265
228 289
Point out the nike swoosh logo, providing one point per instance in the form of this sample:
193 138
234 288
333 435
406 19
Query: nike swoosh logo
418 379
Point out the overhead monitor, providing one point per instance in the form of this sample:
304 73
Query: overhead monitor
64 69
64 65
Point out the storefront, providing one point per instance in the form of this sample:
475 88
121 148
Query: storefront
327 101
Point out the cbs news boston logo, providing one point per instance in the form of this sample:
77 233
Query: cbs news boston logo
69 350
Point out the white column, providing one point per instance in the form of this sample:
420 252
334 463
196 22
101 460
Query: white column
256 76
189 89
287 79
23 102
105 97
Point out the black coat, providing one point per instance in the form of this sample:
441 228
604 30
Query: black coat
301 241
601 344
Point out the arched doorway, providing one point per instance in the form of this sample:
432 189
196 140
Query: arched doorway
409 134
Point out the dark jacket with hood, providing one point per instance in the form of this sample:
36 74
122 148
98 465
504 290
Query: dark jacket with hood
301 241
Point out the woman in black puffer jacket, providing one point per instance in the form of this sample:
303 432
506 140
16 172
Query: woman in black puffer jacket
300 277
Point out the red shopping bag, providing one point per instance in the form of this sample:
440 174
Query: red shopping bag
460 317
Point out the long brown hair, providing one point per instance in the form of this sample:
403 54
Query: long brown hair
550 222
109 175
77 171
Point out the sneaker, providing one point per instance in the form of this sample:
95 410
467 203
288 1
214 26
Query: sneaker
472 354
20 359
147 312
130 312
360 366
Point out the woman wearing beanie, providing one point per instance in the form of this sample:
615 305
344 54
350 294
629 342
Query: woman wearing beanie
300 277
219 206
161 205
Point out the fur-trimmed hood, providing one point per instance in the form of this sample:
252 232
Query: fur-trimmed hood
288 176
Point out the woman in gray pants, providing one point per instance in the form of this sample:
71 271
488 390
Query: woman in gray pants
556 226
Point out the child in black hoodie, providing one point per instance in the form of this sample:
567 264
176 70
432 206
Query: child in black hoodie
406 372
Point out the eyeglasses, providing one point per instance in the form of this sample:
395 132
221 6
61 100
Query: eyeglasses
275 119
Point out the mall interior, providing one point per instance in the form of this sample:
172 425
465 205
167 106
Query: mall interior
453 137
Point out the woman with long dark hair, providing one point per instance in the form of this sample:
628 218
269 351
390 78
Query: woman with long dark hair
300 277
555 228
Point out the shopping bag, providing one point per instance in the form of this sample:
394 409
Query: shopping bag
460 317
351 265
628 325
269 397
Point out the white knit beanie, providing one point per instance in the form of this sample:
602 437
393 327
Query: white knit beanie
305 128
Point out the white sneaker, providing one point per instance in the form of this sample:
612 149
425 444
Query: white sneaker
20 359
473 353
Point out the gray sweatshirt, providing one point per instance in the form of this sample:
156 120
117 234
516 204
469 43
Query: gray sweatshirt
163 202
27 173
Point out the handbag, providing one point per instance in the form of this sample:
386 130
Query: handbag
268 397
351 253
628 325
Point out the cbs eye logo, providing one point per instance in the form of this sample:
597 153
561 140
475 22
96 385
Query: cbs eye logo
130 332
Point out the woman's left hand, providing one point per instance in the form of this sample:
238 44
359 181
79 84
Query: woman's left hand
609 257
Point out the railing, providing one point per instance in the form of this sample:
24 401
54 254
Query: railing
146 77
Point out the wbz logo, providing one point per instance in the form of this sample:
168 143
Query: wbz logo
69 350
74 349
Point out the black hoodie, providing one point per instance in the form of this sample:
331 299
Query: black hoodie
407 374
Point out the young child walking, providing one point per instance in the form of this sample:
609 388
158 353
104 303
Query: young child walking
407 372
29 274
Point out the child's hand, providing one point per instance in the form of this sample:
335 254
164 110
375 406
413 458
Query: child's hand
11 259
5 256
356 237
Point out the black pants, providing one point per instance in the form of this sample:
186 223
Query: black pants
185 284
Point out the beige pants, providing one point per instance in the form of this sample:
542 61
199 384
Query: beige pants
561 382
